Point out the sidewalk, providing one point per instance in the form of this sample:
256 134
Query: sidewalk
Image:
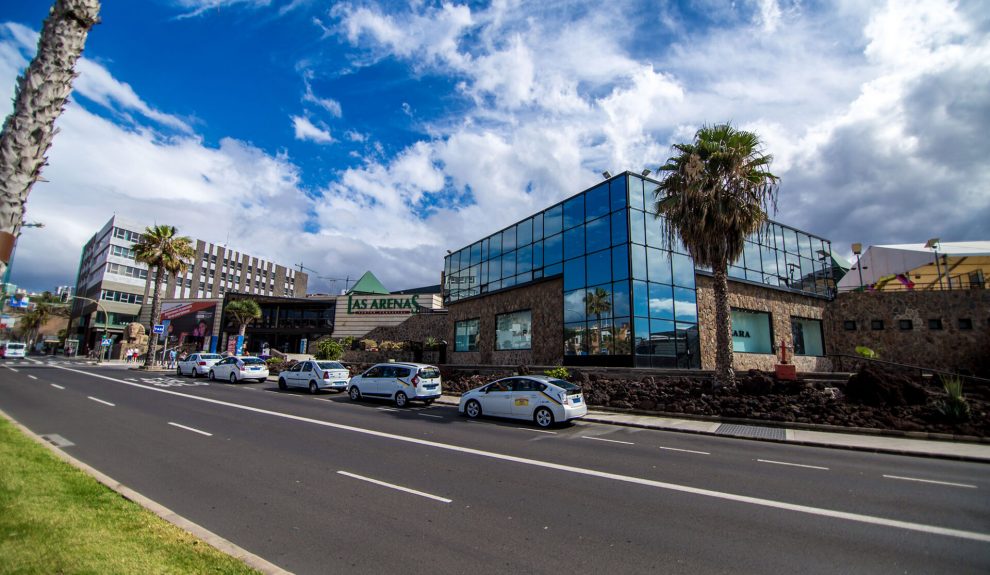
832 437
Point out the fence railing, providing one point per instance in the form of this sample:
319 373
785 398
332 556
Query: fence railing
847 363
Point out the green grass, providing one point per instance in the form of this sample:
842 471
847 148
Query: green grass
55 519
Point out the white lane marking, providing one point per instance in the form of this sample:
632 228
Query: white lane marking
32 377
387 409
12 369
856 517
396 487
431 415
249 388
792 464
608 440
131 379
949 483
537 430
57 386
190 429
101 401
685 450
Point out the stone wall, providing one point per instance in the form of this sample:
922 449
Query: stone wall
547 304
417 328
780 304
952 347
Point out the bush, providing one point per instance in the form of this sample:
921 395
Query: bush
275 364
954 406
866 352
329 349
558 372
369 345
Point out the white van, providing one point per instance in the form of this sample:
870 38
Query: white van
13 350
399 382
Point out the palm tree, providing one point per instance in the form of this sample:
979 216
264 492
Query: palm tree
43 309
165 253
243 312
596 303
39 99
715 193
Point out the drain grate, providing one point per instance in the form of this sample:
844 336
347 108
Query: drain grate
57 440
750 431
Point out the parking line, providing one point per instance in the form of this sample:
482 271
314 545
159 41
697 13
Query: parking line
950 484
190 429
101 401
608 440
57 386
537 430
431 415
686 450
396 487
387 409
792 464
32 377
12 369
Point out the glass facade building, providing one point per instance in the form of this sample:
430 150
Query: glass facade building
629 298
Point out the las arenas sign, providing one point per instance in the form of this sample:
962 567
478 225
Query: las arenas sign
383 305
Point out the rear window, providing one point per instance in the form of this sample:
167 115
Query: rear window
209 356
15 346
253 361
429 372
565 385
329 365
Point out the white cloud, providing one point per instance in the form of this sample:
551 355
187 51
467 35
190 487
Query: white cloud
305 130
328 104
199 7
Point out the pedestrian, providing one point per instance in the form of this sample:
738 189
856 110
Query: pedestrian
171 359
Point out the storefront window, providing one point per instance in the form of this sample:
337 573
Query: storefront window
751 331
514 330
807 336
466 335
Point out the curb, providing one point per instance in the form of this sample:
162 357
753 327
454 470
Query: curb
198 531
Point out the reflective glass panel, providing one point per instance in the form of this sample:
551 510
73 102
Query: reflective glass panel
642 335
659 266
638 261
620 231
661 301
574 273
637 232
476 253
620 298
514 330
621 336
574 211
509 239
573 242
574 309
495 269
495 246
600 267
641 299
685 306
654 232
552 221
635 192
617 191
596 202
663 338
524 233
538 227
575 339
466 335
524 259
551 270
553 249
620 262
537 255
509 265
806 336
683 268
597 235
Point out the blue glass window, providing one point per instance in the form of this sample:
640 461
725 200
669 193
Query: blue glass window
597 202
659 266
553 270
642 329
524 259
617 191
654 232
574 274
635 192
620 262
509 240
553 249
620 298
574 211
661 301
685 306
638 261
537 255
641 299
475 253
637 232
600 267
574 308
620 228
663 338
597 236
509 265
494 270
552 221
574 242
683 270
538 227
524 233
495 246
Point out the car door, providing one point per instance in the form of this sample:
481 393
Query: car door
220 370
291 376
368 382
185 365
306 373
525 397
497 398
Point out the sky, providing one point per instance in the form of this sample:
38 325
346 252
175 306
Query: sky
359 135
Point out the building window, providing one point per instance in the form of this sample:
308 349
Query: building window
849 325
514 330
905 324
876 325
807 336
965 323
935 324
466 335
751 331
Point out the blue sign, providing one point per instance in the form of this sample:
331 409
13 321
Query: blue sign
158 328
106 342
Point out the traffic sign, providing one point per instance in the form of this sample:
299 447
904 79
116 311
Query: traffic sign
160 328
106 342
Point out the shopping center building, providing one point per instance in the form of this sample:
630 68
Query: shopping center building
592 281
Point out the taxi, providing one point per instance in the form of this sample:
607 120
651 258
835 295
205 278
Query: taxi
542 399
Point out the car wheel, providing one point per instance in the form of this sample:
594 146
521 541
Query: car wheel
401 400
428 402
212 376
472 409
313 388
281 384
543 417
233 377
354 393
193 373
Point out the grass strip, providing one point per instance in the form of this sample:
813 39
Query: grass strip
56 519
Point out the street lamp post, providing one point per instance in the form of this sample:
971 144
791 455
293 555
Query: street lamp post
106 321
932 244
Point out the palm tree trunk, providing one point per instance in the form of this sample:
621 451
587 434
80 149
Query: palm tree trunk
156 315
724 376
40 97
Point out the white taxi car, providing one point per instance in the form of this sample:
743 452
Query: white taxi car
239 368
197 364
315 375
399 382
542 399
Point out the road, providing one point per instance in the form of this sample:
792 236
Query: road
319 484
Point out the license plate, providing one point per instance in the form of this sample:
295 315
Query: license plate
434 386
254 368
576 399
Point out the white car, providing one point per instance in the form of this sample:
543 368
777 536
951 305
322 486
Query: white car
539 398
315 375
239 368
13 350
399 382
197 364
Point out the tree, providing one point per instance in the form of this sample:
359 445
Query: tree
596 303
329 349
243 312
165 253
714 193
38 101
43 309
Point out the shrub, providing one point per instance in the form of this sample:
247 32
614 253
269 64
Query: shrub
953 405
329 349
866 352
558 372
275 364
369 345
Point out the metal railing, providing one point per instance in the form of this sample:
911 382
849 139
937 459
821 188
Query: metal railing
839 362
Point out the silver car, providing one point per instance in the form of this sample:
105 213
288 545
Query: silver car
196 364
315 375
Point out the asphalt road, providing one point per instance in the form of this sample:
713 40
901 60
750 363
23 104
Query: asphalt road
320 484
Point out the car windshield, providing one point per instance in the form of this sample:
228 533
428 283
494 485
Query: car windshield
329 365
209 356
15 346
253 361
429 372
565 385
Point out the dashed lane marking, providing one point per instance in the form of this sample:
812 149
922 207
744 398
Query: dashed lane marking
97 400
608 440
949 483
685 450
792 464
537 430
396 487
431 415
192 429
32 377
56 386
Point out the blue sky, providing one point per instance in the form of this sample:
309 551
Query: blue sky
376 135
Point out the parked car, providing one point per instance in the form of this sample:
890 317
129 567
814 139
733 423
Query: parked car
238 368
315 375
400 382
13 350
539 398
196 364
